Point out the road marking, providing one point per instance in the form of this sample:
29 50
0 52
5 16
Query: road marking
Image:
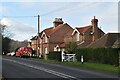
46 70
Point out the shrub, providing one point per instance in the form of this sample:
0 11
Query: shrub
54 56
71 47
99 55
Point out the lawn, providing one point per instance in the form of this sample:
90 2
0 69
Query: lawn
95 66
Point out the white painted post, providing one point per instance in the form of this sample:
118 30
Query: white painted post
62 56
82 59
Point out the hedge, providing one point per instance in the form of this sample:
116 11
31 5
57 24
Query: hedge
96 55
54 56
99 55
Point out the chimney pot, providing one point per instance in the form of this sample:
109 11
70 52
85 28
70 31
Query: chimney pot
57 22
94 22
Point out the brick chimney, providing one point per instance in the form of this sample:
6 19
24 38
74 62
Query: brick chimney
57 22
94 22
95 34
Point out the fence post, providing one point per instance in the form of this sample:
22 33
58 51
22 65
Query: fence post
62 56
82 59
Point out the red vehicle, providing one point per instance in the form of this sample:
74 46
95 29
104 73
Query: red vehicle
24 52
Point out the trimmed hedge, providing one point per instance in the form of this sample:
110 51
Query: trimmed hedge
54 56
95 55
99 55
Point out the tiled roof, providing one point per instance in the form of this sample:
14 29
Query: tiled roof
83 29
54 29
62 45
34 38
105 41
50 31
69 33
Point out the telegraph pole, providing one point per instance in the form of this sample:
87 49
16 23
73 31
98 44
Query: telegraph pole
38 41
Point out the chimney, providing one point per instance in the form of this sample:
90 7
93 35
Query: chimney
57 22
94 28
94 22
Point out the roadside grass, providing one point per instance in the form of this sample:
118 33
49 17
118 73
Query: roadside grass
94 66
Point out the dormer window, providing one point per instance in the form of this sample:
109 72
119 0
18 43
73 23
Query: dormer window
57 48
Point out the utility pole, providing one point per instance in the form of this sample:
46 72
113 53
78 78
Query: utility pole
38 41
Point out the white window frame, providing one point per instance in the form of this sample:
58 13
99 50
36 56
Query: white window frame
46 50
55 48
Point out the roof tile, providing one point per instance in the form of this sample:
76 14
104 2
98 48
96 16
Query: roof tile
83 29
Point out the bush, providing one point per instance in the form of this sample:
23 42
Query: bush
99 55
71 47
54 56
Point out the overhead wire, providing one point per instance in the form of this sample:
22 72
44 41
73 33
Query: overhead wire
44 14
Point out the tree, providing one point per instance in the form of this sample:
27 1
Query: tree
6 45
9 45
2 28
71 47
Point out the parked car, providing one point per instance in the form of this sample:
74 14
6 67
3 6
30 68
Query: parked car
10 54
24 52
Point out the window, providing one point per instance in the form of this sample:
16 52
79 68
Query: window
40 40
40 50
76 36
80 37
32 41
46 39
57 48
46 50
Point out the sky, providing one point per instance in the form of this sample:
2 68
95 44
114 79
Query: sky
20 17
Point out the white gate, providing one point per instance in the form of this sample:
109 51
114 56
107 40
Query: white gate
68 57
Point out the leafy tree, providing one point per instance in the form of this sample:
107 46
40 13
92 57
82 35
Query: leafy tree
71 47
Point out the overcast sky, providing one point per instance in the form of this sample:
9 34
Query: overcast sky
21 20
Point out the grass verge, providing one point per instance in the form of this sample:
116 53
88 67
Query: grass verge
95 66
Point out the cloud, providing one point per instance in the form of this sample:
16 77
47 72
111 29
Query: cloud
83 12
110 18
19 30
106 12
2 8
80 12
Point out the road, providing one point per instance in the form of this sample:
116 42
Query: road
23 68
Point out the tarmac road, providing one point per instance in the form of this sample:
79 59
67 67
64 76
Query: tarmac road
24 68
